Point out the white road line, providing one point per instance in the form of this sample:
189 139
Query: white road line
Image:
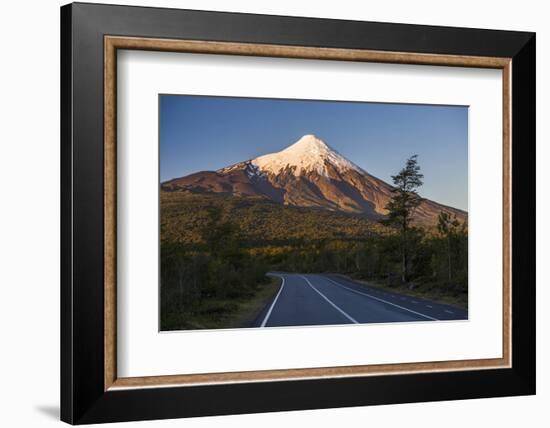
381 300
330 302
264 322
415 302
449 312
429 306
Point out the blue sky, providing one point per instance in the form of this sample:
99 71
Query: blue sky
200 133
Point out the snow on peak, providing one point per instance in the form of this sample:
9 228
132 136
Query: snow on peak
251 170
308 154
308 142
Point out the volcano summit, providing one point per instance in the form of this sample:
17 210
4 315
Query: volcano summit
308 173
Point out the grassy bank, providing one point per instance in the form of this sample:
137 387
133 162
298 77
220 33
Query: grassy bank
429 290
217 313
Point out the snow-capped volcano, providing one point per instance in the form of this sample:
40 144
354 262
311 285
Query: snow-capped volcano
308 154
308 173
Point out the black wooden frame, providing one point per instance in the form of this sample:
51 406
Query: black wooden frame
83 400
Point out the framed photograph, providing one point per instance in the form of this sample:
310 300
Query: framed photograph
266 213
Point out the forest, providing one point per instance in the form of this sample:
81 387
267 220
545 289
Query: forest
217 249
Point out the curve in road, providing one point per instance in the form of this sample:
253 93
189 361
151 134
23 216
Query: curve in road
320 299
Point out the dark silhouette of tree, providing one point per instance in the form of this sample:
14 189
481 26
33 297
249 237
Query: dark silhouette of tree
447 226
221 236
401 207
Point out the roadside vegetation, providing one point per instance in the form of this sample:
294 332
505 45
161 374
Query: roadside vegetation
216 250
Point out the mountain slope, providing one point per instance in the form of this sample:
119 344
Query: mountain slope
308 173
261 222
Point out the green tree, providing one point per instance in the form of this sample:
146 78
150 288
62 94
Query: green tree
448 226
221 237
401 207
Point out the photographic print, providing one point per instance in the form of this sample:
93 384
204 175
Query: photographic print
283 212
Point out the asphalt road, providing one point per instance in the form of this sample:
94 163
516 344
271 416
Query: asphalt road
319 299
